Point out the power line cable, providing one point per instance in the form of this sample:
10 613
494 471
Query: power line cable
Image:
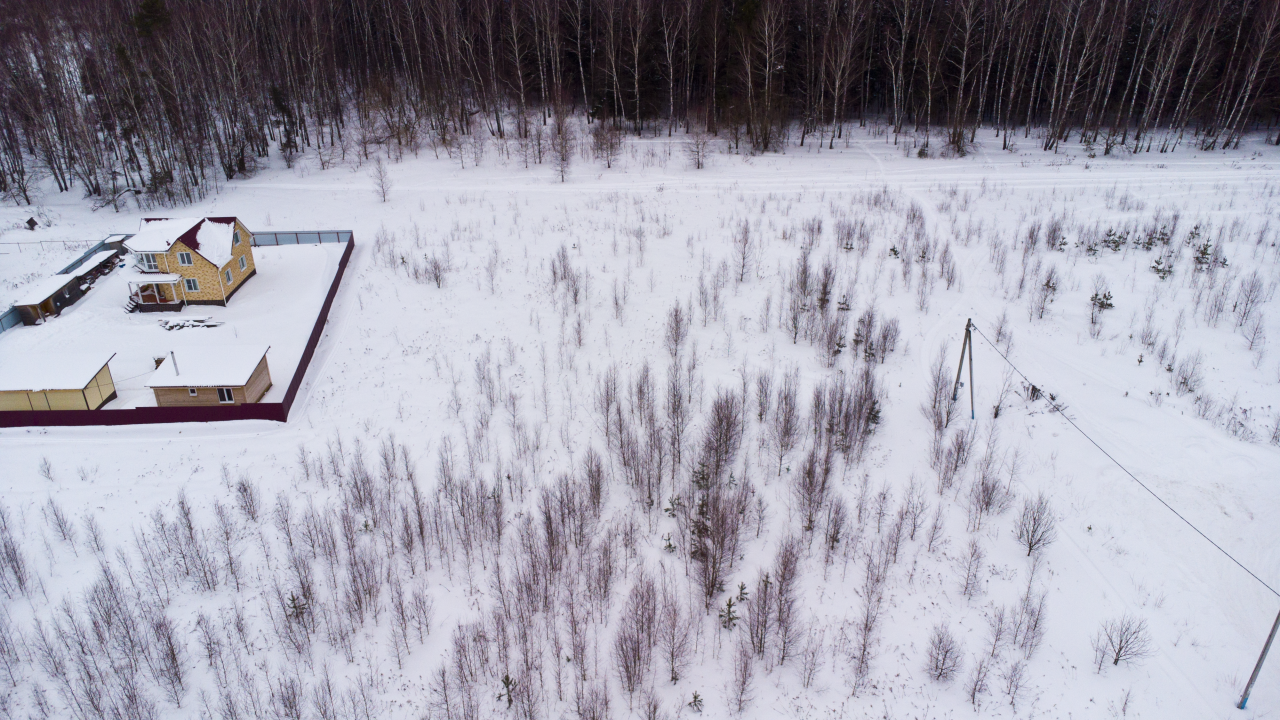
1143 485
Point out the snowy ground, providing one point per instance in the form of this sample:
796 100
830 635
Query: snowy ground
489 386
277 307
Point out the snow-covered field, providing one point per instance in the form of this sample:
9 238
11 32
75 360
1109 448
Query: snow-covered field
502 494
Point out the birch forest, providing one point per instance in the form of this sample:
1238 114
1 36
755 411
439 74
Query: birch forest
164 101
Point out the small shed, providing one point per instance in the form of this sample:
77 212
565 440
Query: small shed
227 375
95 267
47 297
64 381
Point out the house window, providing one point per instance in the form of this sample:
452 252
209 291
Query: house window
149 262
228 276
192 284
191 392
225 395
235 238
184 258
243 264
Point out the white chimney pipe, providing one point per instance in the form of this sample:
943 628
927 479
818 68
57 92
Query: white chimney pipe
175 362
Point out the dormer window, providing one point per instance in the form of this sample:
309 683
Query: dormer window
184 258
148 262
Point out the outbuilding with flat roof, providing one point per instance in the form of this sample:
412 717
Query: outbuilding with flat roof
65 381
47 297
226 375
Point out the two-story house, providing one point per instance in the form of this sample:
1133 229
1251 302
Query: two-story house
188 261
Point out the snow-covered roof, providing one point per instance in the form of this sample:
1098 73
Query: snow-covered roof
141 278
93 262
219 366
158 234
61 371
211 237
40 290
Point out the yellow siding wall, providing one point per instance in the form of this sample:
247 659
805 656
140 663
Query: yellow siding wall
259 382
100 388
14 400
245 249
180 397
66 400
94 394
201 269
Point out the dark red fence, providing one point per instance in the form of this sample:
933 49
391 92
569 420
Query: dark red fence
212 413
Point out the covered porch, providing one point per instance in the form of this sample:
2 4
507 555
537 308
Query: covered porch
156 292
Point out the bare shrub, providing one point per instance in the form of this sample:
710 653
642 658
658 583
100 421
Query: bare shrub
57 519
606 142
1187 376
1044 293
1124 639
677 330
1255 333
1249 297
971 569
1028 622
998 627
811 487
436 268
723 437
740 691
759 618
987 495
764 394
633 645
381 179
169 668
836 527
697 148
867 623
714 528
1014 678
939 409
675 630
247 498
1036 526
935 538
811 657
563 143
742 251
977 684
785 425
786 572
945 654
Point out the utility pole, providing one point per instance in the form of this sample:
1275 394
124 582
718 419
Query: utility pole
968 345
1248 688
